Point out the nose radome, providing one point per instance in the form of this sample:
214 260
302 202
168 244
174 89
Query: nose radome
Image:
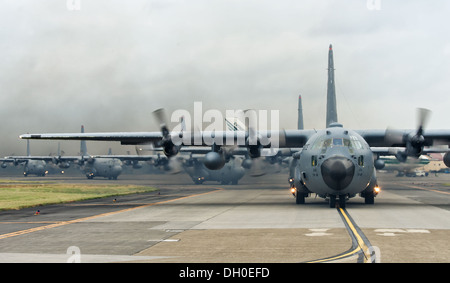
337 172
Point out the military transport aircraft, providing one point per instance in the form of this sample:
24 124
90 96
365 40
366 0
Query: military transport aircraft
335 163
35 166
107 166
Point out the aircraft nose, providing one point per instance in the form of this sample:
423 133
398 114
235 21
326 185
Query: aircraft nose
337 172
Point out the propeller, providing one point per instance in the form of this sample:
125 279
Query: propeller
170 149
422 118
161 117
253 140
413 142
258 167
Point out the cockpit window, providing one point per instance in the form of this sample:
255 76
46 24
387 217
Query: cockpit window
355 142
338 142
324 143
319 143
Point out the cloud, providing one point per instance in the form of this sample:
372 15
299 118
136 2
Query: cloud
110 64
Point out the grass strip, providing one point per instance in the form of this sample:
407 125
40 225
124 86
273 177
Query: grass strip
21 195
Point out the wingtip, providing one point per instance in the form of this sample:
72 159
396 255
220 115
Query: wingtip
28 136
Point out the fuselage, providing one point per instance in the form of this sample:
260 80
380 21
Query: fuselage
335 162
35 167
231 172
103 167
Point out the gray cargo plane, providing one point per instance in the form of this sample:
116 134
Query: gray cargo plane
98 166
107 166
35 166
335 163
230 173
192 159
93 166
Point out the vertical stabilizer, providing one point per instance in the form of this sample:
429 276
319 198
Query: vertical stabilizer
83 147
331 91
300 114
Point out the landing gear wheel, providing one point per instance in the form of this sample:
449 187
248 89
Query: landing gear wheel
299 198
369 198
332 201
342 201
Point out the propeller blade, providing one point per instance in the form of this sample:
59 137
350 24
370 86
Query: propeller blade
257 169
160 116
423 115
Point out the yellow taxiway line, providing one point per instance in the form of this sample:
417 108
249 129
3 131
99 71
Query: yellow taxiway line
62 223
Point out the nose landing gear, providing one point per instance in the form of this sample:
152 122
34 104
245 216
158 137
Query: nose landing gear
341 200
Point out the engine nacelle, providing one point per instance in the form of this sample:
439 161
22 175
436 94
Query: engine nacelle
446 159
64 165
247 163
213 160
401 156
170 149
379 164
254 151
136 164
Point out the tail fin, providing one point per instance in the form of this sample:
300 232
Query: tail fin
83 147
300 114
331 91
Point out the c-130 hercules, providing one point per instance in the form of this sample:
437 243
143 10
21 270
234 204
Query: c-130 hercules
335 163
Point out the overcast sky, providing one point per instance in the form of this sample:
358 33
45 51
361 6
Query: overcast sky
108 64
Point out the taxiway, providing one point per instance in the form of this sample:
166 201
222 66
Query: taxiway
255 221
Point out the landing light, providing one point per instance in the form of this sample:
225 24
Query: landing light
293 191
377 189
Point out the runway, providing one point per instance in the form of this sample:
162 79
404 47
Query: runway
255 221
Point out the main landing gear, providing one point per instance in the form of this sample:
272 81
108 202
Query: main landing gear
299 196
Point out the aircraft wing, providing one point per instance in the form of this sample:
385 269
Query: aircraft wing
126 138
54 159
25 158
399 138
295 138
386 151
10 160
127 157
287 138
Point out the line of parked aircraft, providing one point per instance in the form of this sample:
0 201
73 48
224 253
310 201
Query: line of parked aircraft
335 163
